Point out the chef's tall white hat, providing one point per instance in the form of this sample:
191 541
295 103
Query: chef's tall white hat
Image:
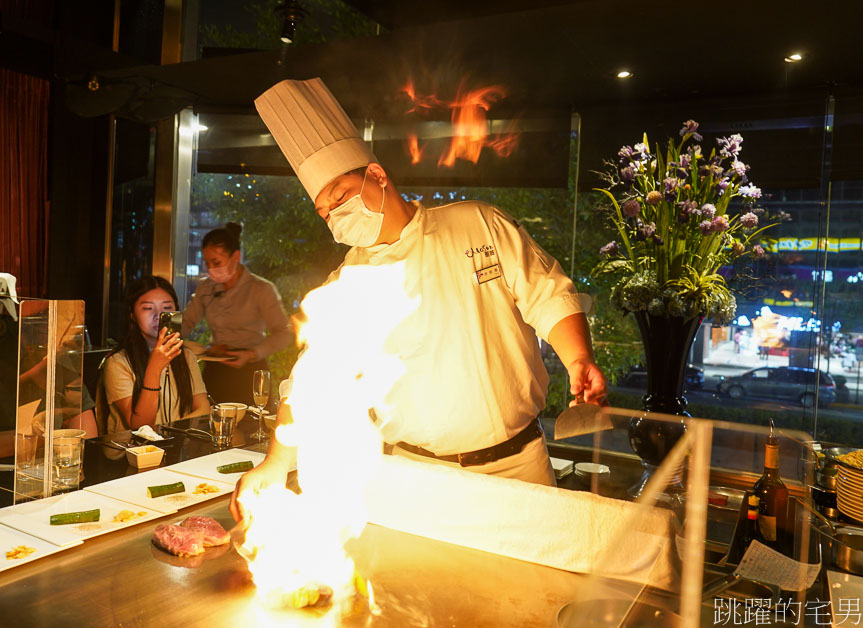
313 131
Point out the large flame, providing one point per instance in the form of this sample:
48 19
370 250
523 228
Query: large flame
296 542
470 125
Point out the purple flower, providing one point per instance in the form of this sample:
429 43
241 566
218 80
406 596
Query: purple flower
642 150
685 160
720 223
671 185
645 231
625 154
706 227
654 198
758 250
609 249
749 220
723 184
750 191
691 127
687 208
739 167
627 175
708 210
631 208
737 248
730 146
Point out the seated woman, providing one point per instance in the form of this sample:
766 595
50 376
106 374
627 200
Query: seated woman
151 378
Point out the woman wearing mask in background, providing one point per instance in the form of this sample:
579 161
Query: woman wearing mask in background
151 378
238 307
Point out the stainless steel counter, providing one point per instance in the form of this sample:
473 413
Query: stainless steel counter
121 579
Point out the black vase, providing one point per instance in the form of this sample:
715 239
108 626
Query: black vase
667 341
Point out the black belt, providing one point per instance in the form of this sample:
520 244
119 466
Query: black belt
489 454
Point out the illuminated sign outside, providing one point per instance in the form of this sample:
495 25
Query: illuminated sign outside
788 303
831 245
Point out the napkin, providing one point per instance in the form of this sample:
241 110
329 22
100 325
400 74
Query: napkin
8 296
148 433
571 530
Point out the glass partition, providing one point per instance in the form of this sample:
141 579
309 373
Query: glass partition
48 397
675 555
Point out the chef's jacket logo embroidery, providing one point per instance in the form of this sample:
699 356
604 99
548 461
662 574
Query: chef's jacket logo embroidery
486 250
488 273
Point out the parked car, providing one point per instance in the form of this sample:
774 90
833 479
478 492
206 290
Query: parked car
636 377
791 383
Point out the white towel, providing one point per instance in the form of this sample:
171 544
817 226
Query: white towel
571 530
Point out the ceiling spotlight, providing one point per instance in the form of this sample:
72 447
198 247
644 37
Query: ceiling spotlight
624 74
794 58
292 14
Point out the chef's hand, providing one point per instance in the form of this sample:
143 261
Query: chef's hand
586 378
253 482
240 358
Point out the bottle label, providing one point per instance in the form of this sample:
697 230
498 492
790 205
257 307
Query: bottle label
767 527
771 457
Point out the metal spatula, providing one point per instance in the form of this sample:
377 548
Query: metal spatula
581 418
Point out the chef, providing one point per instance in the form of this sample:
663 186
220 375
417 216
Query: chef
474 381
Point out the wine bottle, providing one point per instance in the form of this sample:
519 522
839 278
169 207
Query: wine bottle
750 524
772 495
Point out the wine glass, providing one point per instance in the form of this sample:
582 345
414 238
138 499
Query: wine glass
261 395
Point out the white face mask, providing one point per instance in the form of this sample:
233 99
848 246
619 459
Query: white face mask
223 274
354 224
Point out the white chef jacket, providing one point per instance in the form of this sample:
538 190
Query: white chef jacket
474 375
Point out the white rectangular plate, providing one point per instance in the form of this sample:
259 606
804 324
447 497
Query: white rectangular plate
133 489
34 517
205 466
11 538
845 592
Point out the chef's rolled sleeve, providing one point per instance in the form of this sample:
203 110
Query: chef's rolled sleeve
543 293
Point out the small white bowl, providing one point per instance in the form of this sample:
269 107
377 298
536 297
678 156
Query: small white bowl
144 456
241 408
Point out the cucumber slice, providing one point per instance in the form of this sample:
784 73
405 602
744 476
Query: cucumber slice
165 489
83 516
236 467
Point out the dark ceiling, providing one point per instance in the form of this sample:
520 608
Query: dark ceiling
715 61
553 54
392 14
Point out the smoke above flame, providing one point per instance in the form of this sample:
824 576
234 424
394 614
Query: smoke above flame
470 124
296 541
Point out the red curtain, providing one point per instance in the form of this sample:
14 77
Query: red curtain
24 180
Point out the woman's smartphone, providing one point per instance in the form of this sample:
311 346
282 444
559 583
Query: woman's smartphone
173 321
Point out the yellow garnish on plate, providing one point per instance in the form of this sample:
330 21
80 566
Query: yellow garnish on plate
127 515
854 458
203 489
20 551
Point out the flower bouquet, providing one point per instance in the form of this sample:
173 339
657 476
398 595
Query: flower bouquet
671 212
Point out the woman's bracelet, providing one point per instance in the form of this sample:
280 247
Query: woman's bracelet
148 388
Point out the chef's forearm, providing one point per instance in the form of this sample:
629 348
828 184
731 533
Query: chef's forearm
570 339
